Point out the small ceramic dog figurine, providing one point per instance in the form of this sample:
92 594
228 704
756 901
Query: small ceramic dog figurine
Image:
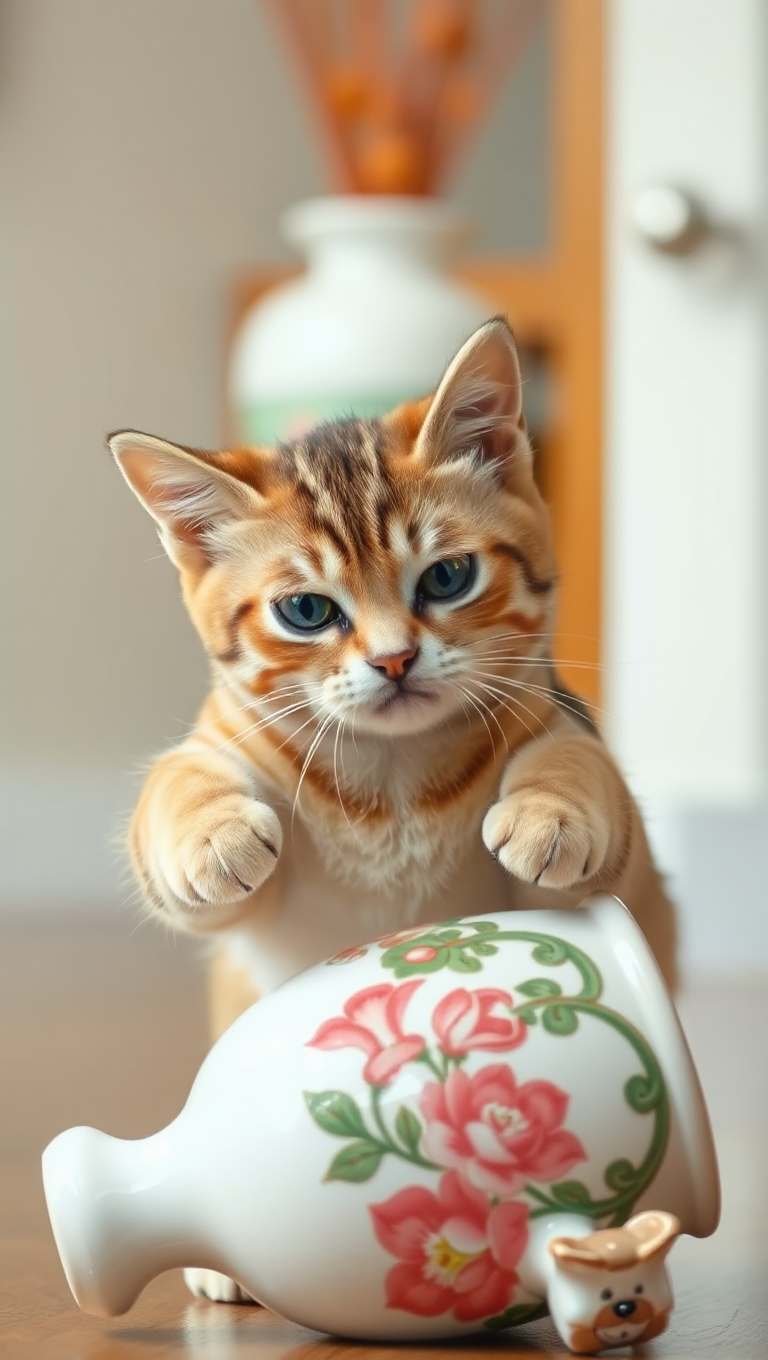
612 1288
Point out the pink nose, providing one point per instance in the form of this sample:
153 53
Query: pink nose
395 667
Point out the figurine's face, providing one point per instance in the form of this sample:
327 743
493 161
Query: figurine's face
617 1307
611 1287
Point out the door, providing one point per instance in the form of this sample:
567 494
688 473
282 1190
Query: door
686 524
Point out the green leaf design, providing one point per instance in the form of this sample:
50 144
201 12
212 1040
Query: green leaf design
621 1175
540 987
550 951
480 947
643 1093
336 1113
571 1194
356 1162
528 1014
408 1129
559 1020
463 963
514 1316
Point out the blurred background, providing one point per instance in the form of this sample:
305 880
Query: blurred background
615 190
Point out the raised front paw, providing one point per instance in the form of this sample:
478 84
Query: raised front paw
225 852
545 839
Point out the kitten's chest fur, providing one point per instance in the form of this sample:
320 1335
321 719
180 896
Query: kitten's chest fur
395 821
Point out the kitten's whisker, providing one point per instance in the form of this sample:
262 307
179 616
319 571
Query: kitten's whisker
312 749
354 737
339 730
500 698
476 701
269 721
537 690
516 659
308 692
292 735
550 632
285 692
504 649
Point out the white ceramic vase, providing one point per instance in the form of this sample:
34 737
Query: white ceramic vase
372 322
434 1135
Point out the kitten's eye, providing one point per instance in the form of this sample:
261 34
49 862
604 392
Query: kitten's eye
307 612
446 578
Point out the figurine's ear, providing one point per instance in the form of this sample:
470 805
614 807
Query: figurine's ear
574 1252
655 1231
186 495
477 411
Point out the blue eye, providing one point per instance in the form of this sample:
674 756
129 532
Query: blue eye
447 578
307 612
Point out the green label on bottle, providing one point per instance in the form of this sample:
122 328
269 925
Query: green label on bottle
273 422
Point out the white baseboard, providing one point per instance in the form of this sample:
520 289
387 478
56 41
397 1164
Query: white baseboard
61 838
61 851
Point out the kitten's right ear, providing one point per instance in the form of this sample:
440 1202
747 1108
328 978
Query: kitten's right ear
187 496
477 410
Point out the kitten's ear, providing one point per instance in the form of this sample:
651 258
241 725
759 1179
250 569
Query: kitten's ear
477 410
186 495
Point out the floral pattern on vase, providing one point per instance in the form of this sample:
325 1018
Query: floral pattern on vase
458 1251
499 1147
498 1133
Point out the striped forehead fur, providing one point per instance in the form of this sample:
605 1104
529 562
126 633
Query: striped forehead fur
341 476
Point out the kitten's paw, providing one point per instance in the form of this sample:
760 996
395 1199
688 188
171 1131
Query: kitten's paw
211 1284
228 851
543 839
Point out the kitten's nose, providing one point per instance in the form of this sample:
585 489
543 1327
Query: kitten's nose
396 666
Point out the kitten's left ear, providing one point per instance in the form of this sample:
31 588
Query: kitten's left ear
189 497
477 410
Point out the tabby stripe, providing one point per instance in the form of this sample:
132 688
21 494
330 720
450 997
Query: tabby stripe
440 795
535 584
234 651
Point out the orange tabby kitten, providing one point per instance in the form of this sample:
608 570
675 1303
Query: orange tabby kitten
385 741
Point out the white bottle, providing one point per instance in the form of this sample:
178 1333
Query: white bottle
372 322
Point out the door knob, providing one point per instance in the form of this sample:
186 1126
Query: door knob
668 219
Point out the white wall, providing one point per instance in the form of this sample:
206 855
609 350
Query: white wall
147 148
687 502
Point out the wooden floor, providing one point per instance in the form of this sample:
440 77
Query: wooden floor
105 1025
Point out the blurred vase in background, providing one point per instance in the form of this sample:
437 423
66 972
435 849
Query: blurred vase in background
372 321
397 93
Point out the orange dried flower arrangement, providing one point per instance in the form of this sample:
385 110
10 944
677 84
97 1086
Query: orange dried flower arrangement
399 88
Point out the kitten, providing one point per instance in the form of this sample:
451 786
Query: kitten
385 741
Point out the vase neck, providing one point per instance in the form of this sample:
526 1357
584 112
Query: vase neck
352 235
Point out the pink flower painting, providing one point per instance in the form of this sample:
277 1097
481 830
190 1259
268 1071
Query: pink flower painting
373 1021
457 1252
464 1020
499 1133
